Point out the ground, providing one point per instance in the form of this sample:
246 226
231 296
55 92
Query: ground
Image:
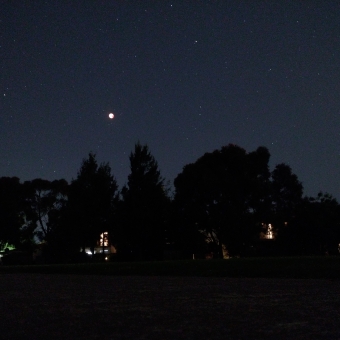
51 306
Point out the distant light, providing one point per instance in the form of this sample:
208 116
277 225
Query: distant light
111 115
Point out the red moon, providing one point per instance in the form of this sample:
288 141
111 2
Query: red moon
111 115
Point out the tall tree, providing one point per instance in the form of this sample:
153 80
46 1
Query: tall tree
45 200
144 208
11 211
315 228
91 202
286 196
17 221
218 195
286 190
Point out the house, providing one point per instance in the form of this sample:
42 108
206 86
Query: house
103 246
267 232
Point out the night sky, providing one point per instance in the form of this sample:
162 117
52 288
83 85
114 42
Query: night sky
184 77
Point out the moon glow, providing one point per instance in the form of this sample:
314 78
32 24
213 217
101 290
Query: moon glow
111 115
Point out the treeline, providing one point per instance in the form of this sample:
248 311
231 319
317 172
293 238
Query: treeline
227 203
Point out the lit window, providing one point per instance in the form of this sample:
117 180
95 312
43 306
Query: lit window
104 239
269 233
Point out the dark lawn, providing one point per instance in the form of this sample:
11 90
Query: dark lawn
62 306
275 267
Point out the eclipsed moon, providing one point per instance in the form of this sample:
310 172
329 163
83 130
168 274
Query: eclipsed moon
111 115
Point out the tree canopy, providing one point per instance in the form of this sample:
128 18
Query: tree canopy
217 194
227 202
12 206
143 210
91 202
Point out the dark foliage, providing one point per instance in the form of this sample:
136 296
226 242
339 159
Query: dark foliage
223 204
17 222
91 200
221 196
46 200
143 210
11 210
314 228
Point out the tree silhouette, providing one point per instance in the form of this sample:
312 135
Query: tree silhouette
315 228
286 191
218 194
92 196
221 202
286 197
143 212
17 222
11 211
45 200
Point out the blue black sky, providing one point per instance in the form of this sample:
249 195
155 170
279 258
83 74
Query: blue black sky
184 77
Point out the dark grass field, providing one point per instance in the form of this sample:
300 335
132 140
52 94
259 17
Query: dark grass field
183 300
275 267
